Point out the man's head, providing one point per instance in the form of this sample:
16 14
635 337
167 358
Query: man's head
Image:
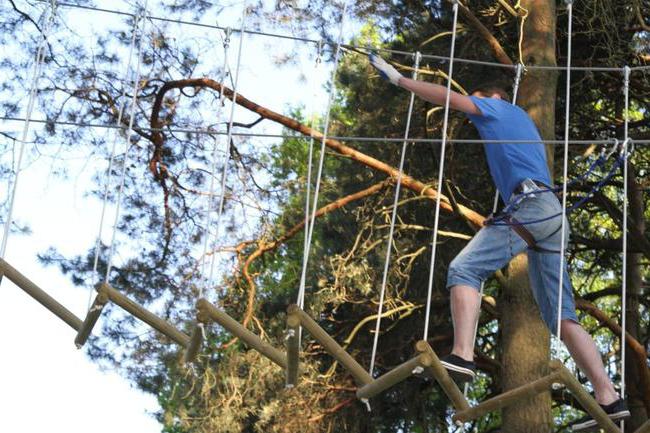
491 90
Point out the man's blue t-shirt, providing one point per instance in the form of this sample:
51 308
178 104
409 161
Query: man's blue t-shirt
510 163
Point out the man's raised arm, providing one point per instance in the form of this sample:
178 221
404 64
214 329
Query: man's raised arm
433 93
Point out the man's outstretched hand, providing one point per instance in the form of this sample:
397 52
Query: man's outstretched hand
385 69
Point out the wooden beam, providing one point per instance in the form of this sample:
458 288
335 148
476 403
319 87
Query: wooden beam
645 428
146 316
39 295
510 397
236 329
439 372
331 346
587 401
293 349
92 316
394 376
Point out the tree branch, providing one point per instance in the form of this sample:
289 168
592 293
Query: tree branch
156 166
494 44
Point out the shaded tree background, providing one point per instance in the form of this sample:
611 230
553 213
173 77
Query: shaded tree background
234 389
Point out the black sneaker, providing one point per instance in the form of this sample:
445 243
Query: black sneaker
617 411
459 369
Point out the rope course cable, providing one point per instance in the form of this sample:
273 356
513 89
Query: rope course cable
626 154
565 170
310 156
109 169
393 218
213 170
229 136
129 132
321 160
332 137
198 333
441 169
27 120
353 47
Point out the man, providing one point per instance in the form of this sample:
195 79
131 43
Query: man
521 175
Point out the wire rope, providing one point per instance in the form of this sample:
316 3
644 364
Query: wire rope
134 100
565 170
328 110
440 174
398 184
36 74
346 138
626 108
213 168
229 136
109 169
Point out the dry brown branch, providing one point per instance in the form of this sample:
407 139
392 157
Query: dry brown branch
264 247
494 44
156 166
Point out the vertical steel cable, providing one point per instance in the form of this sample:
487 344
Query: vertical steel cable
322 148
134 100
440 173
213 168
111 161
226 157
389 247
310 155
626 90
567 112
36 75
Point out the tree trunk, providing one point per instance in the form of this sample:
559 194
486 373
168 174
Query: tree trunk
633 274
525 338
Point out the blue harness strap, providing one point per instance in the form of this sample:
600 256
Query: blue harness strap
505 218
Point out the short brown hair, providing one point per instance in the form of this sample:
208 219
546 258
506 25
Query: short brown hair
492 88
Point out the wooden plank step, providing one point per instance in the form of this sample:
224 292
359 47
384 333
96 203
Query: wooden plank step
146 316
509 397
360 375
439 372
235 328
395 376
40 295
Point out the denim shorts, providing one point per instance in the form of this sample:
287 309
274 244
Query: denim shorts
494 245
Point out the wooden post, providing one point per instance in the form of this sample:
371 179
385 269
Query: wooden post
196 341
236 329
147 317
395 376
439 372
39 295
293 349
331 346
92 316
509 397
587 401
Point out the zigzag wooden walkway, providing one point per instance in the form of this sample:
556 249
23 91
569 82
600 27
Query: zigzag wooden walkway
425 362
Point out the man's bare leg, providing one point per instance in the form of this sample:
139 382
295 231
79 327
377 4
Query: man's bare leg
586 355
465 302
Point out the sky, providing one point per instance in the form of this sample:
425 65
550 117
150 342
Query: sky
46 384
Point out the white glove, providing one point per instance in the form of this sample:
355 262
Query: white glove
385 69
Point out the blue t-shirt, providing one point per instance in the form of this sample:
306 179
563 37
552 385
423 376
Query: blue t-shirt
510 163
